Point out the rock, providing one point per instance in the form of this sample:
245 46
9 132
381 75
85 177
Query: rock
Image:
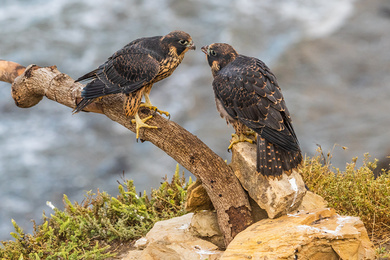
141 243
312 201
315 235
171 239
276 196
159 250
197 198
257 212
204 224
133 255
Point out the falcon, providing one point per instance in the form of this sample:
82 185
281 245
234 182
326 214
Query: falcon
133 70
248 96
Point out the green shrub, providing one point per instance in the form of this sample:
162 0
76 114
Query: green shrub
89 229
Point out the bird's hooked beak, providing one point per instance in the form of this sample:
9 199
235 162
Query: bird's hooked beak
205 49
191 46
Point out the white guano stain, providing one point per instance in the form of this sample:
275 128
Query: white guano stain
294 187
341 221
202 252
184 226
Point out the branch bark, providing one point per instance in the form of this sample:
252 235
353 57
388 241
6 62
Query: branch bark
29 86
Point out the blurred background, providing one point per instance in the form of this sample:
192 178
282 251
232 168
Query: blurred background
331 58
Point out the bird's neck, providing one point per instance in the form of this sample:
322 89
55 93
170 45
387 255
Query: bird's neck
173 54
215 68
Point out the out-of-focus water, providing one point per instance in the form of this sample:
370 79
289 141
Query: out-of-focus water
47 152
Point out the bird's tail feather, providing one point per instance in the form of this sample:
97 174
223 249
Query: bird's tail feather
83 103
273 161
89 75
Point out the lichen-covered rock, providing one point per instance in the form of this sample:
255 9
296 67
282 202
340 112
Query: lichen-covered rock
278 196
315 235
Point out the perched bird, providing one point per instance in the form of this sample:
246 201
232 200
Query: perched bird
248 97
133 70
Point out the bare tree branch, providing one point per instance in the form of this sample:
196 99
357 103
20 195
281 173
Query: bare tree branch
10 70
227 195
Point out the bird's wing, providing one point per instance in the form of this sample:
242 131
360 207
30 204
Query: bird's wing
249 93
143 40
126 71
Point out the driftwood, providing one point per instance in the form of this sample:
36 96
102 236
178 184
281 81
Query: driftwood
31 84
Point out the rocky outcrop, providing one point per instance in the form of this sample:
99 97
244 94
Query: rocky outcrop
307 229
200 202
277 196
172 239
316 235
269 197
312 235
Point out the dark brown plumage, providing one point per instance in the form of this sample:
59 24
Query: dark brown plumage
248 96
134 69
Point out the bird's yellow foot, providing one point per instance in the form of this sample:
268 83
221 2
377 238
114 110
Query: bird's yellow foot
149 105
239 138
154 108
139 123
250 132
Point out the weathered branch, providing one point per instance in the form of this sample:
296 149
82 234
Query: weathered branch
224 189
10 70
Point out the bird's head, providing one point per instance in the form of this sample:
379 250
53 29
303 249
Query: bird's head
219 55
178 42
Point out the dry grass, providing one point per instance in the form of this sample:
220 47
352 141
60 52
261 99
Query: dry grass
354 192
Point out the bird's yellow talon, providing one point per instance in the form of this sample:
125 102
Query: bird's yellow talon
139 123
239 138
164 112
155 109
149 105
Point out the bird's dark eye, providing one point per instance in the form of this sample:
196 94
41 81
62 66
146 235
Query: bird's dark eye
183 42
212 53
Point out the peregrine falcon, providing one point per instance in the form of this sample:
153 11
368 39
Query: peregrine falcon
133 70
248 97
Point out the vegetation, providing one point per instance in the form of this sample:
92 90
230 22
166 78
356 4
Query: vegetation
354 192
94 228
